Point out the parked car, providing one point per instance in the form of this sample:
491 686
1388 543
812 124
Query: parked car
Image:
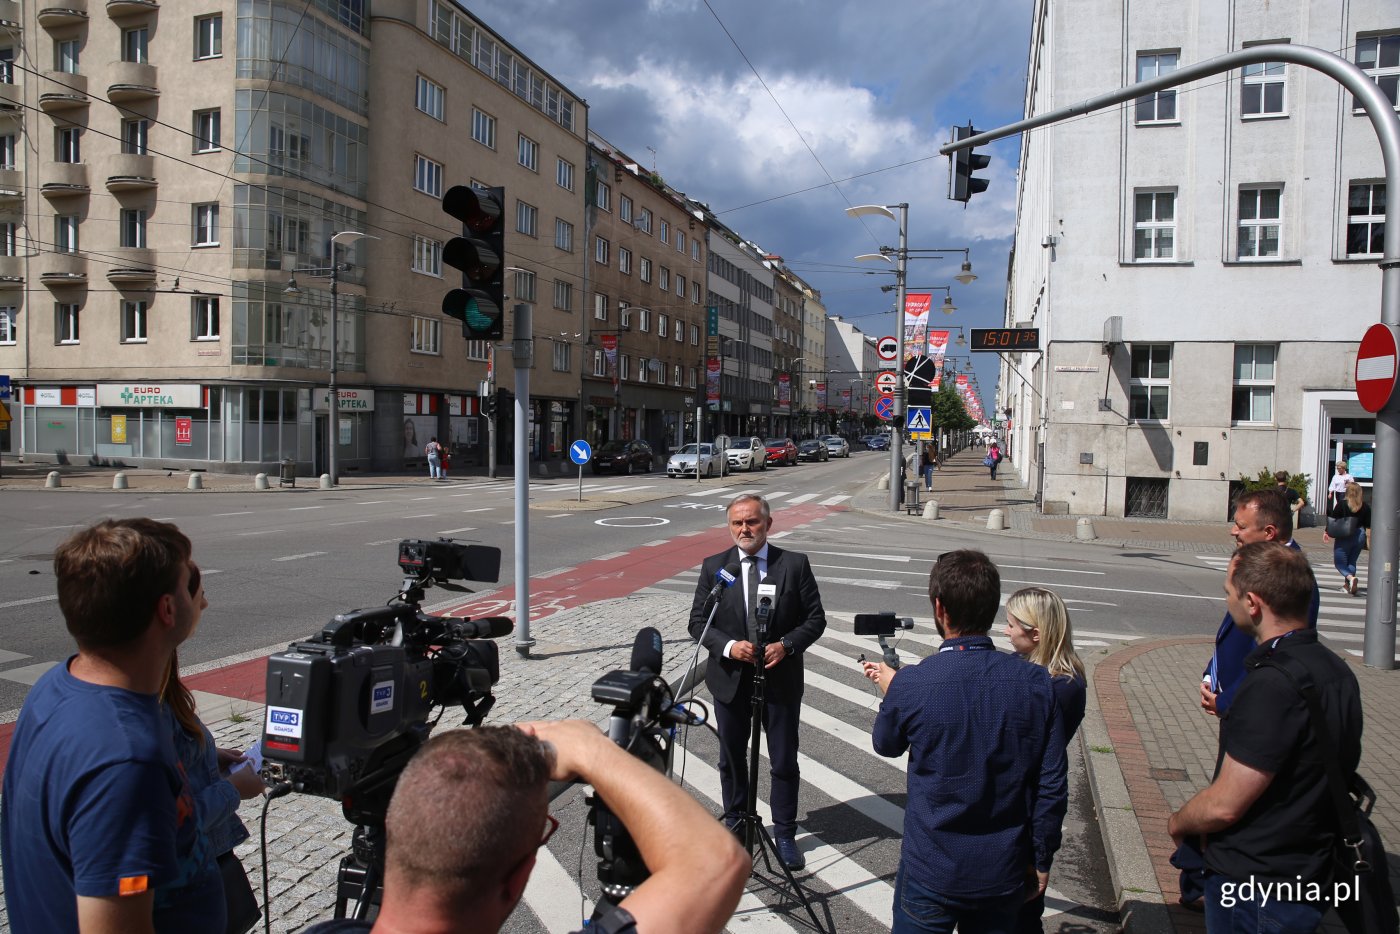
623 457
683 463
781 451
813 449
836 445
747 454
878 442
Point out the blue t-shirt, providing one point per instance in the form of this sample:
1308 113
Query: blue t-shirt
94 800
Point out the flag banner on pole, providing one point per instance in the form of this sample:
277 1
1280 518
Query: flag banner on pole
712 374
784 389
937 344
916 308
821 395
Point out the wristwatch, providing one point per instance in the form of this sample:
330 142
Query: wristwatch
787 645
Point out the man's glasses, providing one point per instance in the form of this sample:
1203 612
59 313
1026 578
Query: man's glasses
196 580
551 824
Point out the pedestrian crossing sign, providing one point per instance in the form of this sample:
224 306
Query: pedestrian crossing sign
918 418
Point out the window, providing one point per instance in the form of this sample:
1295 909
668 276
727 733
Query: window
695 335
624 364
527 219
524 290
662 322
600 363
644 220
603 197
9 239
1149 384
65 323
1154 225
665 232
7 66
135 44
1260 213
209 36
134 322
644 320
478 350
680 241
7 151
67 145
204 318
484 128
206 225
1159 107
564 235
564 175
206 130
663 279
600 307
601 251
427 256
563 295
428 98
694 377
427 176
695 292
563 357
1379 57
624 209
1365 219
65 56
676 375
680 332
135 136
644 271
527 153
133 227
8 324
65 233
643 366
1253 398
1262 90
695 252
274 323
624 260
624 315
680 286
427 335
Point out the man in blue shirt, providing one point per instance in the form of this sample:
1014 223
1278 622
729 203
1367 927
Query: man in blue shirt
97 821
987 788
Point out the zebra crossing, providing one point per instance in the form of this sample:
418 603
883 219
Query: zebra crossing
723 493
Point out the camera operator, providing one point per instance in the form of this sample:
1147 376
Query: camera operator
471 810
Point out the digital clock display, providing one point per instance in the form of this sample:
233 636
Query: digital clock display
1005 339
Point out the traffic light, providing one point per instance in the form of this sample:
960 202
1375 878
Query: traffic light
480 254
488 406
961 185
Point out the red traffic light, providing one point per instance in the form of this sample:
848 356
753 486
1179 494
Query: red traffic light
475 207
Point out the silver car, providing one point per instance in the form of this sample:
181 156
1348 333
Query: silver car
683 463
836 446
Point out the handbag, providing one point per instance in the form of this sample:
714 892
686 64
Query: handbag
988 461
239 900
1358 855
1342 527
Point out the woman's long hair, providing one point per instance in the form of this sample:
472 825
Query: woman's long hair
180 701
1037 608
1355 498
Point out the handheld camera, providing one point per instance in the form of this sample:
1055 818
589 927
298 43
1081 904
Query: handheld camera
881 625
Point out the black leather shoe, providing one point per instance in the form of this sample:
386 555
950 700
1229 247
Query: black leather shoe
789 855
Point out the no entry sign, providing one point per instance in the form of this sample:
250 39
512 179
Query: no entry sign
1375 367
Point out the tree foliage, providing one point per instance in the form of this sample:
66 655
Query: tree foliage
949 413
1265 481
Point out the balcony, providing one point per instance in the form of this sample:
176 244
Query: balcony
129 172
63 180
10 13
60 270
122 9
66 91
132 81
11 272
132 264
11 188
64 13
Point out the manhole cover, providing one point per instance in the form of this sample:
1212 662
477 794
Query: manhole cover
1169 775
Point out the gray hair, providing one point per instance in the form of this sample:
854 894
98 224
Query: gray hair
762 504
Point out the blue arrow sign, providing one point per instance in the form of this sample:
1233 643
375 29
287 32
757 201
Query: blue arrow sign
918 418
4 387
884 407
580 452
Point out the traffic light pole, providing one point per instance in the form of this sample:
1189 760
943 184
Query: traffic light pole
901 388
522 354
1385 506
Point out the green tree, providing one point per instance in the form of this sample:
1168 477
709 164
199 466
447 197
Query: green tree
949 413
1265 481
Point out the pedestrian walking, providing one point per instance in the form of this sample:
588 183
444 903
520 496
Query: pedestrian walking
928 463
992 459
1337 488
1348 528
434 452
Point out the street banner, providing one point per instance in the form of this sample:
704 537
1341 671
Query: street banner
821 396
845 398
712 376
609 342
937 382
784 389
916 308
937 344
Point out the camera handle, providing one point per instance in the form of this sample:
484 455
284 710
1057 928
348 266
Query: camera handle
891 656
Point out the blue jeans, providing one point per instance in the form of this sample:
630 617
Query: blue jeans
1345 551
918 910
928 477
434 466
1260 914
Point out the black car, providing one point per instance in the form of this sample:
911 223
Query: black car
623 457
812 450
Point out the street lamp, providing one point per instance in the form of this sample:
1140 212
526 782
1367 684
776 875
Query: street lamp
947 307
333 420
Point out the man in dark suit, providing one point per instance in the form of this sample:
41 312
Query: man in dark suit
779 584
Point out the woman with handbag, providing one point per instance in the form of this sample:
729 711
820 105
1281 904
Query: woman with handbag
1348 527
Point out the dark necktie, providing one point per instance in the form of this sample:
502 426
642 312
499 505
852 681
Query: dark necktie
751 596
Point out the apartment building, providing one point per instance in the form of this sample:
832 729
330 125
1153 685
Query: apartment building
1201 263
851 365
169 171
645 317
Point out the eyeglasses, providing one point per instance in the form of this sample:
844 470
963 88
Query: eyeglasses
551 824
195 579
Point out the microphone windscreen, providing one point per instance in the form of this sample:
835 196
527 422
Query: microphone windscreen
729 574
646 651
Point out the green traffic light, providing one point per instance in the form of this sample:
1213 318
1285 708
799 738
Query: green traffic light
476 319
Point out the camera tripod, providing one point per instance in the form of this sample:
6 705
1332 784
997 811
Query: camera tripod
752 832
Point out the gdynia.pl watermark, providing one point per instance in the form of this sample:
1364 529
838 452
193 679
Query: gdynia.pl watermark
1336 892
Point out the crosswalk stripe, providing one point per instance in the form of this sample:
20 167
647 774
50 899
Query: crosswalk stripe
554 895
833 501
805 497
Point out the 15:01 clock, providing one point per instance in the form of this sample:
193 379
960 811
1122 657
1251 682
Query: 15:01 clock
1004 339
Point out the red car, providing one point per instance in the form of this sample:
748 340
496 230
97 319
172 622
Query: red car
780 451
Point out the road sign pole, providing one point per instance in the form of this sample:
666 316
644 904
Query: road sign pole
900 392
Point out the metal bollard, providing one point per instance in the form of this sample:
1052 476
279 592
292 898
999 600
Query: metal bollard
196 482
53 481
1084 529
119 481
931 509
326 482
996 520
260 482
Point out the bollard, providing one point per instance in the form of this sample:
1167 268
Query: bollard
326 482
931 509
996 520
53 481
196 482
260 482
884 483
119 481
1084 529
542 468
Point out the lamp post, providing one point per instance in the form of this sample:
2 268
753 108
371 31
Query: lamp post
333 402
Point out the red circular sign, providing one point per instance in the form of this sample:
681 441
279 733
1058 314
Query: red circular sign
886 381
1376 367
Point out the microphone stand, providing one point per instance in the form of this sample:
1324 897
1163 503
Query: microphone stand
754 834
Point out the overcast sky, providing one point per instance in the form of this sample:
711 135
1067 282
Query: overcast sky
873 89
